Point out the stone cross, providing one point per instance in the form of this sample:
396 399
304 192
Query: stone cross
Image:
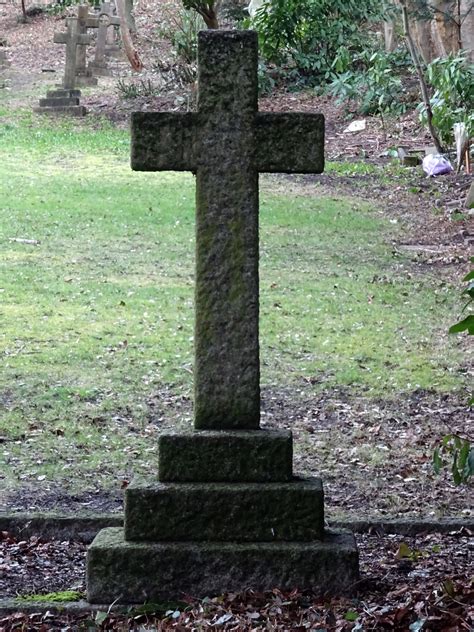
84 21
72 38
227 142
226 512
106 20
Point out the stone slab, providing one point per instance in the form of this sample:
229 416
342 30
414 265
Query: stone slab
85 81
226 456
131 572
72 110
235 512
100 70
61 94
84 526
58 102
291 142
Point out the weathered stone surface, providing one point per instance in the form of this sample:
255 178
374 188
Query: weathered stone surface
86 80
100 70
227 142
72 38
61 94
163 141
132 572
59 101
290 142
85 21
107 19
72 110
470 197
227 367
225 456
236 512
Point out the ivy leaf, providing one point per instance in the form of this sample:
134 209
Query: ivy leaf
464 325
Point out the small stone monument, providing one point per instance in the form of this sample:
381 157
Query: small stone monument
84 74
107 19
4 61
227 512
66 100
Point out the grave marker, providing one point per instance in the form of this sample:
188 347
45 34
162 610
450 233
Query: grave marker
73 38
66 100
228 513
85 21
107 19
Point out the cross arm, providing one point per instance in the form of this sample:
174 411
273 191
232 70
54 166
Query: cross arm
60 38
290 142
65 38
163 141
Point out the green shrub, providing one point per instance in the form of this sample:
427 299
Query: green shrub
455 451
452 80
372 79
182 34
306 35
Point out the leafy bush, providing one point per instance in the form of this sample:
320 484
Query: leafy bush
452 80
182 34
371 80
457 452
467 324
306 34
453 449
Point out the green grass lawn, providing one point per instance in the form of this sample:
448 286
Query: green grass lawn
96 320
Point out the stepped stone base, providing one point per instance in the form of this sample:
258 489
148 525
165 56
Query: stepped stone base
242 456
63 93
236 512
100 70
72 110
85 81
58 102
134 572
61 101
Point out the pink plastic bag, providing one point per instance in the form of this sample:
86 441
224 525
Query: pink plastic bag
436 165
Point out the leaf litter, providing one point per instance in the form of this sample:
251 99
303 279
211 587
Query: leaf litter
407 583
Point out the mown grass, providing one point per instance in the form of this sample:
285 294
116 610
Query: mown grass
97 319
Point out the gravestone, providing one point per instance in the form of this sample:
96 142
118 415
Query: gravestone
227 512
4 61
66 100
84 75
107 19
112 45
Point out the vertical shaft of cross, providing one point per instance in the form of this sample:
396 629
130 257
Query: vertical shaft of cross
227 373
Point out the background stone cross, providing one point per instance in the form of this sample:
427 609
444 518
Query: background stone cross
85 21
72 38
107 19
227 142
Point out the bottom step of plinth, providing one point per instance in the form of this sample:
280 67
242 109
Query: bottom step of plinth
72 110
136 572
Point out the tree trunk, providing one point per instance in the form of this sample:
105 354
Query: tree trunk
421 77
129 48
128 9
